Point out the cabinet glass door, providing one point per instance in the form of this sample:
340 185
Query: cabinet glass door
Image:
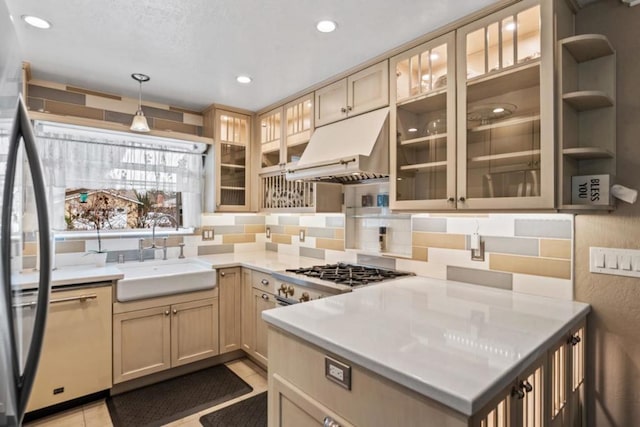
299 125
424 119
271 139
501 152
233 143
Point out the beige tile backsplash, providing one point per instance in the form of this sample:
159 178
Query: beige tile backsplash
519 245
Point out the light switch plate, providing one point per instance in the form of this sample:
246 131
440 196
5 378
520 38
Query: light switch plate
618 262
208 233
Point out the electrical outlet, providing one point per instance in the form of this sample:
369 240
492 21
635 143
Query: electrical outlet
302 233
268 232
207 233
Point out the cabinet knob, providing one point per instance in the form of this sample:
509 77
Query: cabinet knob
330 422
166 313
222 273
574 340
349 108
343 110
265 282
517 393
451 200
175 311
526 386
304 297
462 199
265 297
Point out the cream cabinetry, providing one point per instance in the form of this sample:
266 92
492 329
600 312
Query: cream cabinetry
547 392
363 91
258 295
587 112
424 123
76 355
157 334
233 144
506 137
284 133
230 284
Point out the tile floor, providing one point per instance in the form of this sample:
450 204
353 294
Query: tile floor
96 414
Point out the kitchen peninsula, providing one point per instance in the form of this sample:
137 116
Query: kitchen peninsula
419 349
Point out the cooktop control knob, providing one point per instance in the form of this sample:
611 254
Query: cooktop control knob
304 297
290 290
282 290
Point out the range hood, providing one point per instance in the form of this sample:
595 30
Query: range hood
347 151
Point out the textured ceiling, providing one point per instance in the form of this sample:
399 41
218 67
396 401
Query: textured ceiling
193 49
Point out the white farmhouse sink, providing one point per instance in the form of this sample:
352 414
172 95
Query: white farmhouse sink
158 278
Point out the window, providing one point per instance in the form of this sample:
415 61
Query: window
119 181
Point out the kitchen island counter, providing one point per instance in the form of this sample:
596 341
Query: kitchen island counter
454 343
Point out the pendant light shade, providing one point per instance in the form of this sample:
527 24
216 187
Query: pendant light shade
139 123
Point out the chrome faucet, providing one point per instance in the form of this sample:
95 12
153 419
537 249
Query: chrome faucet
164 246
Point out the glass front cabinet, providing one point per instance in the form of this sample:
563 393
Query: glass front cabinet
506 109
232 137
285 133
473 121
424 125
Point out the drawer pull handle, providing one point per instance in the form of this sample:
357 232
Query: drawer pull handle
574 340
265 297
526 386
330 422
517 393
80 298
265 282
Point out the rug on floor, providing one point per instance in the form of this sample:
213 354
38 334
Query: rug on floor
251 412
176 398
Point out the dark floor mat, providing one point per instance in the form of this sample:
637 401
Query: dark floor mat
250 412
176 398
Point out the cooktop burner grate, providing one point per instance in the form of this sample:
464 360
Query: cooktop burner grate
348 274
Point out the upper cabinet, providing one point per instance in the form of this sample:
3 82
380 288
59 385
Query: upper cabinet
363 91
506 110
232 138
424 125
284 133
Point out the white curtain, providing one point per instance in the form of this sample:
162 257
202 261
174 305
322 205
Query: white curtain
76 157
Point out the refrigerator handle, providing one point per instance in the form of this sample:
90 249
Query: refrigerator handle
23 129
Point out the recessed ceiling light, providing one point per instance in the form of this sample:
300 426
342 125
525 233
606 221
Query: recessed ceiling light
498 110
326 26
36 22
510 26
412 130
244 79
434 56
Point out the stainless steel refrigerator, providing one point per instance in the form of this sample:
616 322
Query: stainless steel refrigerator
24 224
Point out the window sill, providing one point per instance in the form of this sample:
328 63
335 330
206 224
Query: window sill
135 233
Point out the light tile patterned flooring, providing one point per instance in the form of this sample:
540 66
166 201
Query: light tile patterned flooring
96 414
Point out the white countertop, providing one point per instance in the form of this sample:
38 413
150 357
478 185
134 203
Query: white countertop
456 343
265 261
67 276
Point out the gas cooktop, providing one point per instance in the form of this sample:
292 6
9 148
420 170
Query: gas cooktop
348 274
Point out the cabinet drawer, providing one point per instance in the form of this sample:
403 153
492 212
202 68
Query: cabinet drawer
263 281
371 401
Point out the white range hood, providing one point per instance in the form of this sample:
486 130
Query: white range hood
347 151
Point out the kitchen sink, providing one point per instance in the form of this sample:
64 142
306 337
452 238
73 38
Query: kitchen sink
159 278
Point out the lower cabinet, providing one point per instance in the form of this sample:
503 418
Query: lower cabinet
547 393
166 335
76 352
258 291
230 284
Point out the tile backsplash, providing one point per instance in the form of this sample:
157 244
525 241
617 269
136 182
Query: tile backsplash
530 253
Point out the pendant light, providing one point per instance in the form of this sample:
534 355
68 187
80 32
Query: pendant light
139 123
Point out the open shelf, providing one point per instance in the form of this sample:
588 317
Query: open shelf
423 139
586 153
587 208
505 123
423 167
503 159
584 100
222 187
585 47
